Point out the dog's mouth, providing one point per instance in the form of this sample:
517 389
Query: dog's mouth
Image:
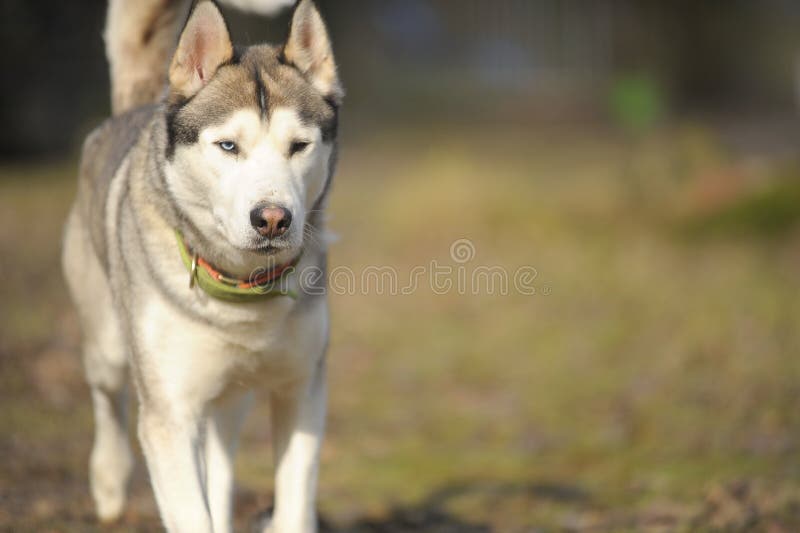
270 247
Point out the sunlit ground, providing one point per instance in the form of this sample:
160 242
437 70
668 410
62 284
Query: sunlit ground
652 381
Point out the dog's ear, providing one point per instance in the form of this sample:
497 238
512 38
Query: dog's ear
204 45
309 49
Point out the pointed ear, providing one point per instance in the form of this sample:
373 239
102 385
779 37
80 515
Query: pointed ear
204 45
309 49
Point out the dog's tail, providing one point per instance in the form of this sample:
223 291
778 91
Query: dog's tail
140 36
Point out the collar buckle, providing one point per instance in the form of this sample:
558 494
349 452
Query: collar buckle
193 271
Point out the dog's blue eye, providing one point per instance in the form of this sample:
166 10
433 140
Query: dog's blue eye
228 146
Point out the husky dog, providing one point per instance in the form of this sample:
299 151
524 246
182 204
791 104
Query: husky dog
194 220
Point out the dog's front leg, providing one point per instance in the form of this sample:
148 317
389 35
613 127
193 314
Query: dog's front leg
222 435
179 368
298 420
172 446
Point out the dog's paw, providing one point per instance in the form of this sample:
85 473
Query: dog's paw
110 495
109 507
264 524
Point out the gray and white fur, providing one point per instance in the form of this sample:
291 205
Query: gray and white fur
238 129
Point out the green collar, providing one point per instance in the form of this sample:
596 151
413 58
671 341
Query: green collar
264 285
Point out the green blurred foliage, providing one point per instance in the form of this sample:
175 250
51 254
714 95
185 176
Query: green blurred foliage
637 102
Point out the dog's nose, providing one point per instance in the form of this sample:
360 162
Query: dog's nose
271 221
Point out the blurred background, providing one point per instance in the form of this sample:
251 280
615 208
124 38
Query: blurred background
641 156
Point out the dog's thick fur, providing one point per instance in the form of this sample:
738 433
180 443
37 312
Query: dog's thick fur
140 36
195 360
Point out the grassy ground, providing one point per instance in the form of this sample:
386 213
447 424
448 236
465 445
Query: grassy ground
652 382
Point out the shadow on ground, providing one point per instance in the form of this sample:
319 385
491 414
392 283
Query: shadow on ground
431 515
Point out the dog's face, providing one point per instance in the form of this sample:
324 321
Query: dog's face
251 136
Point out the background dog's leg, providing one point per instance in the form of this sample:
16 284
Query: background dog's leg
222 436
298 419
173 447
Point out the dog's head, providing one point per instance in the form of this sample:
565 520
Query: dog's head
251 133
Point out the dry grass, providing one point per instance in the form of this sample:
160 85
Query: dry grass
651 383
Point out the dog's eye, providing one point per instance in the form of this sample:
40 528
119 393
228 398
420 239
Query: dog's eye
297 146
228 146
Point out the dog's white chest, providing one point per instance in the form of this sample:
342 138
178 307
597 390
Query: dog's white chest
242 343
